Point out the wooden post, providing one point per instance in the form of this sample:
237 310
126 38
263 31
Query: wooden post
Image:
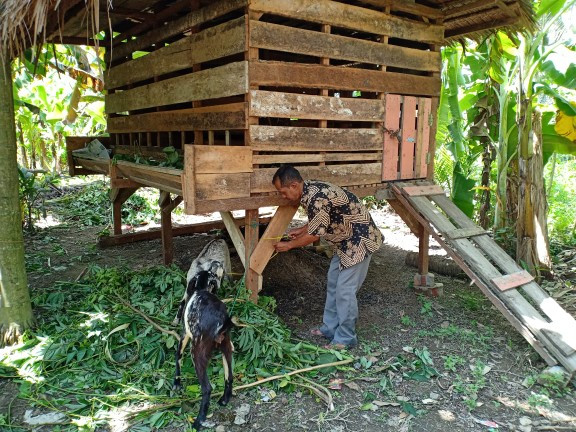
252 279
118 196
423 250
167 205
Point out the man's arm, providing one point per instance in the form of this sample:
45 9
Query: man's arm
302 240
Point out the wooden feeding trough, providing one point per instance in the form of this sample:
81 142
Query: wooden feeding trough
345 91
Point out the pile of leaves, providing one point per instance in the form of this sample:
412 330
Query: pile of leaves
170 158
104 349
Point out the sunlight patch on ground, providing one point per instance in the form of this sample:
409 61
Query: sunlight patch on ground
31 368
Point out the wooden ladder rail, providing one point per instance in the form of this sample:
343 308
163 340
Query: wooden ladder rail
496 301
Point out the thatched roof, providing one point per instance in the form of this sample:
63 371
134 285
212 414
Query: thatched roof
23 23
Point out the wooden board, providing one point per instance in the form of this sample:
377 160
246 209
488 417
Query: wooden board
261 159
423 137
391 145
291 105
235 235
465 233
222 159
224 117
408 144
222 186
188 180
222 81
423 190
341 175
351 17
513 280
99 166
165 179
280 138
268 73
178 26
213 43
300 41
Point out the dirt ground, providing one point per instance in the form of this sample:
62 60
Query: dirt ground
460 327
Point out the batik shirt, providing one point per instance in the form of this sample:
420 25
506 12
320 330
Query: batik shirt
338 216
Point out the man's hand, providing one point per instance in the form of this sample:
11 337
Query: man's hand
298 232
283 246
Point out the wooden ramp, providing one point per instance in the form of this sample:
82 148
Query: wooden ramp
536 315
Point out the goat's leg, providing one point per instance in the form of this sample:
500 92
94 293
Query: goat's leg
202 353
184 338
180 312
227 348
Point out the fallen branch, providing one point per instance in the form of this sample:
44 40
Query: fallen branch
147 318
299 371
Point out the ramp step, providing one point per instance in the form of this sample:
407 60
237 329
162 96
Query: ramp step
423 190
513 280
465 233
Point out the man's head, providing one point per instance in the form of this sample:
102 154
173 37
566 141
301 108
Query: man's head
288 181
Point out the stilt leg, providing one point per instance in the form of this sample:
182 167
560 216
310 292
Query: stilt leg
253 280
167 205
423 280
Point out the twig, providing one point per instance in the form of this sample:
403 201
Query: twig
553 428
277 377
326 397
143 315
82 273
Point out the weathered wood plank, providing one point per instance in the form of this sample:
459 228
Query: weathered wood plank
166 179
288 39
179 26
279 138
333 77
408 138
222 159
423 137
547 304
523 310
351 17
265 247
188 180
465 233
96 165
224 117
513 280
341 175
310 157
413 8
222 81
235 235
420 190
222 186
291 105
391 132
216 42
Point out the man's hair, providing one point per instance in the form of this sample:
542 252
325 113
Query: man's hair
287 174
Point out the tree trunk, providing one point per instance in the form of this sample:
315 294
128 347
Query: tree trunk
15 307
533 247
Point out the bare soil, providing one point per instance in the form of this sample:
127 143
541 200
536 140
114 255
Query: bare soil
392 318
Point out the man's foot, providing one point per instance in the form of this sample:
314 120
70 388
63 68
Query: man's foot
318 332
336 346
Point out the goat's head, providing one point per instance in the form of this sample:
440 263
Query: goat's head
204 280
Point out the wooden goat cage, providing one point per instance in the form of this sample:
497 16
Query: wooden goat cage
346 93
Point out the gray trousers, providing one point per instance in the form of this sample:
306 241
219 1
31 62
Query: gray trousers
341 309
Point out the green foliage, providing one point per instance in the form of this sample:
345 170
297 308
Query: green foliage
451 362
562 201
31 191
93 355
171 158
471 387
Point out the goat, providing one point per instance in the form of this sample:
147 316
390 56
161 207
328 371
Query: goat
215 257
207 324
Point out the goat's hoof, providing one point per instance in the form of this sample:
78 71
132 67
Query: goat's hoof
223 401
197 425
177 388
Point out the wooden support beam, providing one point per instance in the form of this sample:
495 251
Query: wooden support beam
252 279
119 197
166 207
423 251
265 247
235 234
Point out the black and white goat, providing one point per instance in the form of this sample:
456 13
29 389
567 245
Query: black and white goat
207 325
215 258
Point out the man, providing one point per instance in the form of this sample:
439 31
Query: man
338 216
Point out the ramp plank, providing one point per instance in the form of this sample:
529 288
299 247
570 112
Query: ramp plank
513 280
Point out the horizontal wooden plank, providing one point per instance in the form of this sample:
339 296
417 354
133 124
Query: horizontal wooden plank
423 190
163 178
341 175
179 26
279 138
222 186
513 280
212 159
213 43
412 8
222 81
351 17
97 166
291 105
465 233
339 78
300 41
311 157
182 120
